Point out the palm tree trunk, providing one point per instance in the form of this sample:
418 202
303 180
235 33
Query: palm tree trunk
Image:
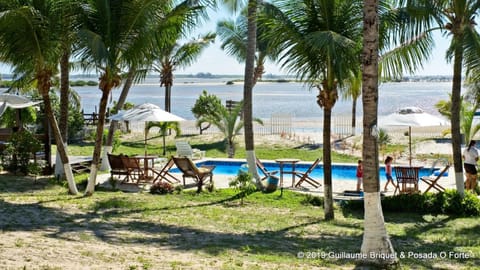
63 124
455 120
114 124
327 164
354 115
92 180
247 91
375 237
168 94
43 87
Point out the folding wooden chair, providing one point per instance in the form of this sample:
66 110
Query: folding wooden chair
305 177
432 180
117 167
266 173
132 164
189 169
164 173
406 178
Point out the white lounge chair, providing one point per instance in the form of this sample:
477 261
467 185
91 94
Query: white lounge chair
185 150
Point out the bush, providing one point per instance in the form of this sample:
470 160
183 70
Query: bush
17 155
162 188
448 202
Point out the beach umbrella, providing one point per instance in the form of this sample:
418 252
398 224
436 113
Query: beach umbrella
15 102
411 116
146 112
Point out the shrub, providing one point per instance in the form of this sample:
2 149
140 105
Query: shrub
162 188
448 202
17 155
312 200
244 183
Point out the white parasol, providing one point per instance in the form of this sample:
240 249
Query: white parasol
146 112
411 116
15 102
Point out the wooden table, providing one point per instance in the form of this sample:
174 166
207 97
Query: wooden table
146 165
281 162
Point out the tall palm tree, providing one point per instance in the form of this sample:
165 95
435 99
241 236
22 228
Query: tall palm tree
173 55
249 73
175 23
115 35
30 41
353 90
375 238
234 41
320 42
455 19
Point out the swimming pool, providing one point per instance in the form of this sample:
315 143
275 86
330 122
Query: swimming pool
339 171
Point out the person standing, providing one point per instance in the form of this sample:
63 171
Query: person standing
388 172
470 156
359 174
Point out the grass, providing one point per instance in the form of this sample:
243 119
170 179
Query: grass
212 230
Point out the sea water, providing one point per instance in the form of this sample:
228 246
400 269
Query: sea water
270 98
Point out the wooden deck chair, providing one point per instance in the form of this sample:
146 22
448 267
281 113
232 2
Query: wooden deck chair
164 173
305 176
117 167
432 180
189 169
132 164
406 178
185 150
266 173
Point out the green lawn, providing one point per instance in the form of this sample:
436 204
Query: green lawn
208 231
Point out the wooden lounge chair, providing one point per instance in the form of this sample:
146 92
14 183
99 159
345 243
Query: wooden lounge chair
266 173
407 179
185 150
432 180
164 173
117 167
189 169
305 176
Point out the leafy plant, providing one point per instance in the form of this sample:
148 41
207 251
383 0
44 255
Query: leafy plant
243 182
17 155
162 188
206 105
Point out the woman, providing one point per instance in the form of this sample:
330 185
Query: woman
470 155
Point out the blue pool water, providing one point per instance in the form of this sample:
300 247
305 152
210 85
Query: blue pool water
339 172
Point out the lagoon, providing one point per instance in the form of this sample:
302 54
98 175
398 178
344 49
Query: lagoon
271 97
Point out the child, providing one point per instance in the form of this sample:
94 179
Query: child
388 172
359 174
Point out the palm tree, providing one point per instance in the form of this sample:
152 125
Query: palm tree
234 41
116 35
248 85
320 42
173 55
375 238
455 19
30 41
180 19
353 90
163 129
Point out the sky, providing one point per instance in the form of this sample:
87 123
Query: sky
214 60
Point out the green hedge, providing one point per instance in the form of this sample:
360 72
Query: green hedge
448 202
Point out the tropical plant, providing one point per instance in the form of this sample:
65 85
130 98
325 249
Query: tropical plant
115 35
383 139
30 34
229 124
164 127
456 20
468 127
171 55
353 90
17 155
233 34
320 43
243 182
206 104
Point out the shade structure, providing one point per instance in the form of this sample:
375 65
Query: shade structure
15 102
411 117
146 112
